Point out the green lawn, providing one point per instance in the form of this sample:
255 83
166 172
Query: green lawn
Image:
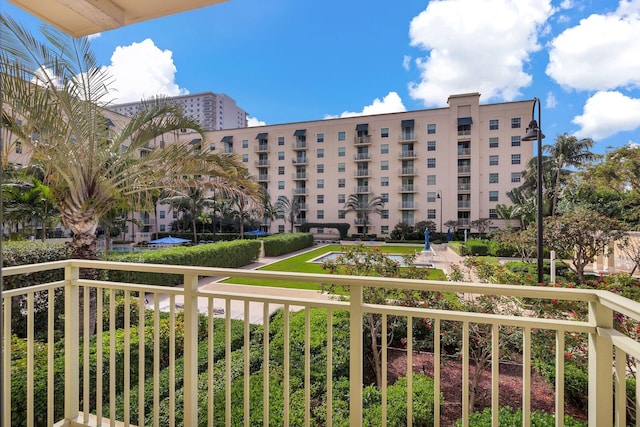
300 264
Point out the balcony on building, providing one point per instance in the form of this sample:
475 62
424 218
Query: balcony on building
410 171
362 173
303 206
262 163
407 188
262 148
407 154
263 177
407 133
299 146
302 160
362 136
408 205
299 176
464 204
362 189
464 148
300 191
362 157
464 126
301 139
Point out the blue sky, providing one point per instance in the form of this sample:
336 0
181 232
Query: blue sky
287 61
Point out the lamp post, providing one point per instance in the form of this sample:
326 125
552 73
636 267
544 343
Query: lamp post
534 133
439 196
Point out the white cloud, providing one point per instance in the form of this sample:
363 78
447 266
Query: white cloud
551 101
607 113
406 62
600 52
389 104
253 122
94 36
566 4
142 70
476 46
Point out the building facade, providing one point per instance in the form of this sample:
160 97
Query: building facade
447 164
214 111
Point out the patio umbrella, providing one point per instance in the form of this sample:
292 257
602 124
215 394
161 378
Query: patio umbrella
257 233
169 241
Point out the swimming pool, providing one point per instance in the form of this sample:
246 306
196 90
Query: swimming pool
330 256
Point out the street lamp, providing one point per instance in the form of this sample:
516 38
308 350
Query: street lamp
534 133
439 196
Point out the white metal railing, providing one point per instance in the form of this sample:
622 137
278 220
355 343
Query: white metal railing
606 348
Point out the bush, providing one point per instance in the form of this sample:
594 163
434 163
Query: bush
225 255
477 247
508 417
281 244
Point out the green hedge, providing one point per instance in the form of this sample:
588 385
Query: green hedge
281 244
342 227
224 254
513 418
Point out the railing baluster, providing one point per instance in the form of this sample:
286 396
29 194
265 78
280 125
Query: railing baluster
355 355
465 374
307 366
99 366
600 354
227 340
71 343
247 346
287 367
112 357
156 360
50 356
141 356
210 361
526 376
409 370
620 388
30 351
265 366
385 349
495 374
6 362
190 350
329 367
436 371
559 378
86 366
127 357
172 360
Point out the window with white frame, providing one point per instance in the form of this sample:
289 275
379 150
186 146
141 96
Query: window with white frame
320 153
341 183
342 135
384 229
320 199
384 165
384 148
280 155
431 162
431 214
431 180
384 197
341 151
493 196
341 167
431 128
281 140
245 158
384 181
493 213
280 170
320 168
320 183
280 185
493 178
494 142
431 146
320 137
515 141
516 177
431 196
515 159
493 160
245 143
341 198
384 214
515 123
384 133
341 213
494 124
320 214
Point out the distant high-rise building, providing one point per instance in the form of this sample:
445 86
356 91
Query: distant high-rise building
214 111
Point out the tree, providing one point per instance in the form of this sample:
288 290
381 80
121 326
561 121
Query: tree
568 151
193 199
290 209
54 94
481 224
582 234
364 206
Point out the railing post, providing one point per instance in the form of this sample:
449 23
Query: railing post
356 354
72 342
190 350
600 367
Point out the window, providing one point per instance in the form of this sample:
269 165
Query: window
515 141
163 227
493 213
320 199
163 214
341 214
280 228
281 140
384 197
431 162
493 160
493 178
384 229
18 147
516 176
280 155
493 196
320 137
431 146
280 185
431 128
320 168
341 167
341 198
280 170
341 151
320 214
384 133
494 124
320 183
384 214
384 165
515 159
431 196
341 183
175 214
431 214
515 123
245 158
384 181
342 136
384 149
431 180
245 143
493 142
320 153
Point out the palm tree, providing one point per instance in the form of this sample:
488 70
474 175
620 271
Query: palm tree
290 209
193 200
54 95
568 151
364 206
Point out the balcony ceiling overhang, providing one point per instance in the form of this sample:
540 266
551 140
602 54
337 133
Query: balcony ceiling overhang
83 17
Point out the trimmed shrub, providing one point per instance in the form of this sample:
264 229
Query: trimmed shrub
513 418
281 244
477 247
225 254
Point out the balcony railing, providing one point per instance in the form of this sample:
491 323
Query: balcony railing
84 381
362 140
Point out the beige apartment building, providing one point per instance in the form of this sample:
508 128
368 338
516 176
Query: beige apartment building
453 163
